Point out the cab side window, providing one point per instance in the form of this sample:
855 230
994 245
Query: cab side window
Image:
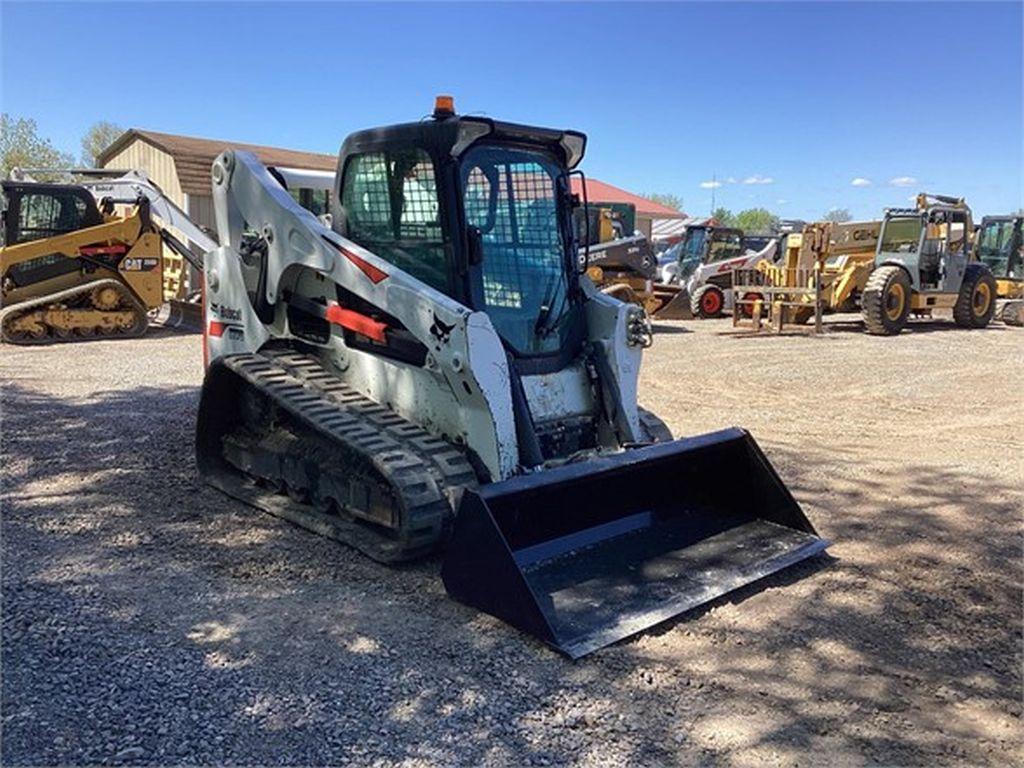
391 208
728 247
45 214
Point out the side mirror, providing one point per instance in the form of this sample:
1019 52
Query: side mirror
476 246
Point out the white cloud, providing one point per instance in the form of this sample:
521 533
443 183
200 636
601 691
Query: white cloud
903 181
860 181
755 179
730 180
710 184
781 202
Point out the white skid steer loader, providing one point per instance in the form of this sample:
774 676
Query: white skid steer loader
707 259
435 371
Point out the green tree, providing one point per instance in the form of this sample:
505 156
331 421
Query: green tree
756 220
100 136
838 215
667 199
724 217
22 147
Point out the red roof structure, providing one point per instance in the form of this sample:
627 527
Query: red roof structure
600 192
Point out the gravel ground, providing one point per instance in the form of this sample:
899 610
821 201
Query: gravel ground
150 619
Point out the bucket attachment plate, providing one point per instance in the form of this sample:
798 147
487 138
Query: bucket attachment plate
675 304
587 554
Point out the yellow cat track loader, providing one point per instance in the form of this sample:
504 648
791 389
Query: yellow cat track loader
435 371
72 269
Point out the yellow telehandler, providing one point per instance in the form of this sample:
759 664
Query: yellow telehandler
838 256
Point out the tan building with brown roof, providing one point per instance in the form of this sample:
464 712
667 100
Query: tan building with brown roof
180 165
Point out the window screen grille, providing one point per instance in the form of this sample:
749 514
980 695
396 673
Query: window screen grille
392 209
47 214
521 235
510 196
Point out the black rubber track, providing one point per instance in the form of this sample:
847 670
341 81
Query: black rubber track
1013 313
349 435
9 314
656 430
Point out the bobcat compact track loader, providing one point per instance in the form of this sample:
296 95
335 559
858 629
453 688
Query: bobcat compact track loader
71 270
435 371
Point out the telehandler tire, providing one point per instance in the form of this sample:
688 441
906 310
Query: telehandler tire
976 303
707 301
886 301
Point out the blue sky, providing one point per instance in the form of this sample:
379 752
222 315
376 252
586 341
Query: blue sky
808 96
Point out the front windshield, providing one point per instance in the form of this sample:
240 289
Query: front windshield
994 245
901 235
725 246
511 198
671 254
693 246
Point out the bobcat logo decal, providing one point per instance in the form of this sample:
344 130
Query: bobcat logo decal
440 330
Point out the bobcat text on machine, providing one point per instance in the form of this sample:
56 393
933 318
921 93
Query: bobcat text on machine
435 371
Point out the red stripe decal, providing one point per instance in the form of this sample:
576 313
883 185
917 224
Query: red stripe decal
355 321
375 275
217 328
97 250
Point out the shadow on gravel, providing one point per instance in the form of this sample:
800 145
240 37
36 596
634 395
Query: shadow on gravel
662 328
150 619
915 628
914 326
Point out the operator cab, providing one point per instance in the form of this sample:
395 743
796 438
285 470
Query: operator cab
479 210
707 245
930 243
33 210
1000 246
